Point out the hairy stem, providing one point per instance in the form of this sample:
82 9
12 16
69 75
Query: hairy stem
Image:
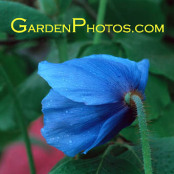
100 20
143 133
20 118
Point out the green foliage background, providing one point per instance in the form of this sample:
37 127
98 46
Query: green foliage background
20 54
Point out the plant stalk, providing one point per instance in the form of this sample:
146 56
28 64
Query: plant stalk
20 118
100 20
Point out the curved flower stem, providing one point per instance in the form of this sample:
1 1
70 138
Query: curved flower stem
62 48
143 132
20 117
100 19
62 43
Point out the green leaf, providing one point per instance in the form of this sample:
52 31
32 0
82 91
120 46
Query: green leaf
3 36
33 88
63 5
15 67
11 10
163 127
74 50
157 96
131 133
122 159
30 93
107 163
7 137
168 8
162 155
103 48
112 161
81 34
139 46
48 7
134 12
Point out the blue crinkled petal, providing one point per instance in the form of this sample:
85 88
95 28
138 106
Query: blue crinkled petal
126 120
73 127
143 67
94 80
112 126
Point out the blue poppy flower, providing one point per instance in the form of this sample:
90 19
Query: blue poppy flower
85 107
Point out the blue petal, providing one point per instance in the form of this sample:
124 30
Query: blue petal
112 126
94 80
73 127
143 67
126 119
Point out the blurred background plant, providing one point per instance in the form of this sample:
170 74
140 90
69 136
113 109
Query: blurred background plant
19 57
